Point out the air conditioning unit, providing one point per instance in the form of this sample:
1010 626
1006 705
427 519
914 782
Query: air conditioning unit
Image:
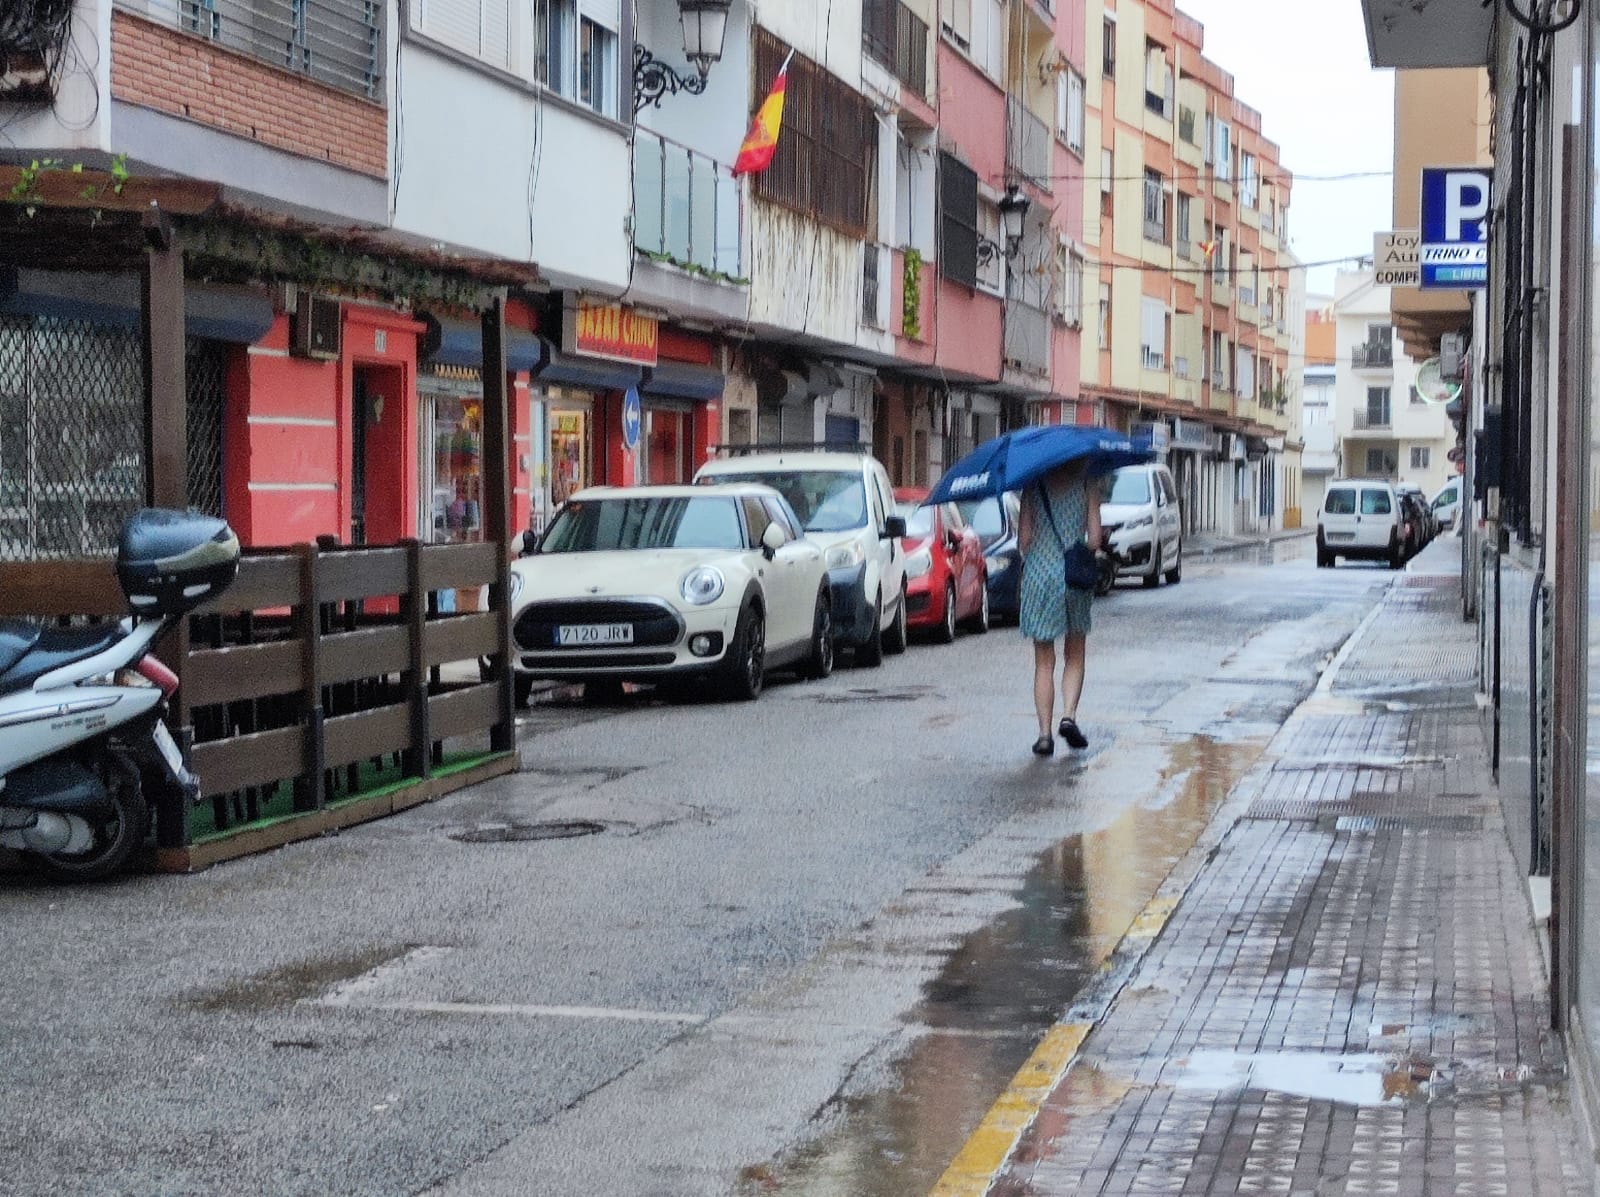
315 327
1452 356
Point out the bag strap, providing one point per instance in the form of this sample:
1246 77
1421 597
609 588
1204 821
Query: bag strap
1044 497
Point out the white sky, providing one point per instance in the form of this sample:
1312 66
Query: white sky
1303 65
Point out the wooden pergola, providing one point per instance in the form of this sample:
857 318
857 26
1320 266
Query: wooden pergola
172 230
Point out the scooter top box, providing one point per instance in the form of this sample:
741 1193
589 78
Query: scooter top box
169 562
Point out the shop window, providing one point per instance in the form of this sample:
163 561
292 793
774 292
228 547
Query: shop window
569 454
456 490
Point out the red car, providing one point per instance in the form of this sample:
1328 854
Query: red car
947 579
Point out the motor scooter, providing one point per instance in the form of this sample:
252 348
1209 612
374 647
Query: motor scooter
82 742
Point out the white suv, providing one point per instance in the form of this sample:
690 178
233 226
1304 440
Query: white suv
1361 517
846 504
1140 516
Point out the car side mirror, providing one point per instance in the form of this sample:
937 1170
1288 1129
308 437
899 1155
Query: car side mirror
772 540
530 543
894 527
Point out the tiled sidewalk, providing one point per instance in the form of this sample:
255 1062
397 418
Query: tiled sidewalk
1350 998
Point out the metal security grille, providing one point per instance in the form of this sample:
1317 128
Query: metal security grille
72 434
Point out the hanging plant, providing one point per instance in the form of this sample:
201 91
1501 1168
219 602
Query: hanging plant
911 316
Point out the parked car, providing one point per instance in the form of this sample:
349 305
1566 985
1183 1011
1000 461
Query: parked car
1418 514
846 505
1446 504
1143 523
656 583
1360 519
947 583
996 520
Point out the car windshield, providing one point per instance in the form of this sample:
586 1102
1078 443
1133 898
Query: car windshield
985 518
605 525
919 519
1129 486
1340 502
825 500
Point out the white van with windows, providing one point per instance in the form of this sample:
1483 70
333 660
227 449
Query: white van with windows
1141 520
1361 518
1447 503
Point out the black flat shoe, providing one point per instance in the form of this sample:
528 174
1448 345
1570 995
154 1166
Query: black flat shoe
1072 735
1044 746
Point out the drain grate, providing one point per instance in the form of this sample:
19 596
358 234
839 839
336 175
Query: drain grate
1403 823
522 833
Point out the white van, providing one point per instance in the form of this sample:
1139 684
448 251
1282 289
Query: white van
1141 517
846 505
1360 518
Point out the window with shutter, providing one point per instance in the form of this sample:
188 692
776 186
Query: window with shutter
956 20
1153 334
958 221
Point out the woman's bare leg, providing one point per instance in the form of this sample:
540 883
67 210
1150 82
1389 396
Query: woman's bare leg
1072 666
1044 691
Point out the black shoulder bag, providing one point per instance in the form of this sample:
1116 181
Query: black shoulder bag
1083 571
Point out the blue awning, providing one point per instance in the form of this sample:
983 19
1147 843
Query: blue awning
461 344
242 315
679 380
593 372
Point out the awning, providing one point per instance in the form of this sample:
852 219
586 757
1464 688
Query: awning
594 372
679 380
461 344
239 314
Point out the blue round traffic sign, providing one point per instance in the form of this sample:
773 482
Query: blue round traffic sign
631 419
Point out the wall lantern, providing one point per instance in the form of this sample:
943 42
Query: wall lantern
1013 221
705 28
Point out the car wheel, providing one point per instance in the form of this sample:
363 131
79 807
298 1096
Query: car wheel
1153 578
1324 560
745 667
896 639
946 631
1397 556
820 663
1175 574
980 622
522 687
870 652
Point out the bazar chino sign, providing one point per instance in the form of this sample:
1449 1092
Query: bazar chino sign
611 331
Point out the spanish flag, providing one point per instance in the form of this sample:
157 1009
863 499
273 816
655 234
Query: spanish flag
1208 248
755 155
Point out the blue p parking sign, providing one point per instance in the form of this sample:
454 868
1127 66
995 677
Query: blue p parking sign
1454 211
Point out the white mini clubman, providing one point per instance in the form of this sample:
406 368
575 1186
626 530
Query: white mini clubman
666 583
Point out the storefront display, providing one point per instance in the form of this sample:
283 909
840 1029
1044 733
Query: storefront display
569 462
453 411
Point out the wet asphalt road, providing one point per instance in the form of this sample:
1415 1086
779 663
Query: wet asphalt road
813 940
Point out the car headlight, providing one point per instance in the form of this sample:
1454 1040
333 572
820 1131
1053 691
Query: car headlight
998 565
1144 521
703 585
919 563
846 556
516 585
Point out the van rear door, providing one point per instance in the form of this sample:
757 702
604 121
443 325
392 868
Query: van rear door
1340 520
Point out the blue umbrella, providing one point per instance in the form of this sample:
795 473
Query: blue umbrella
1011 461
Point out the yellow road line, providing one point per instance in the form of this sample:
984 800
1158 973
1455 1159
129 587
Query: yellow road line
989 1146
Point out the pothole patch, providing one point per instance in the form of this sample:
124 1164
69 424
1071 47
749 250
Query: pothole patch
524 833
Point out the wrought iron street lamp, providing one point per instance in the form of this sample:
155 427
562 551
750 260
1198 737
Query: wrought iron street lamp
705 28
1013 222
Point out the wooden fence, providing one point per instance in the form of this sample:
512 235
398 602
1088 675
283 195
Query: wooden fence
315 691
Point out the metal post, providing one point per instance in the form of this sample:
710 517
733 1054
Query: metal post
497 510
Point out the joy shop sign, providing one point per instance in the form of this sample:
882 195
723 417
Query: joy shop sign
1455 227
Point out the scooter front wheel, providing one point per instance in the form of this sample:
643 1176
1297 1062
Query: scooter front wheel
116 837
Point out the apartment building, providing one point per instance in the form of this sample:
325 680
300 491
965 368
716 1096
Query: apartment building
1187 219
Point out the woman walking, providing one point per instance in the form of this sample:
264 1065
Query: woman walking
1060 510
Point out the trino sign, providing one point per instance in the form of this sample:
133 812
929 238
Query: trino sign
1454 209
1394 258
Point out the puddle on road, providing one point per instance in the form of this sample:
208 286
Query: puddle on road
286 985
998 993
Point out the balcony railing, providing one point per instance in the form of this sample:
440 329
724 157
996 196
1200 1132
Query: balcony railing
897 38
336 42
686 206
1027 143
1372 357
1372 420
1027 337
